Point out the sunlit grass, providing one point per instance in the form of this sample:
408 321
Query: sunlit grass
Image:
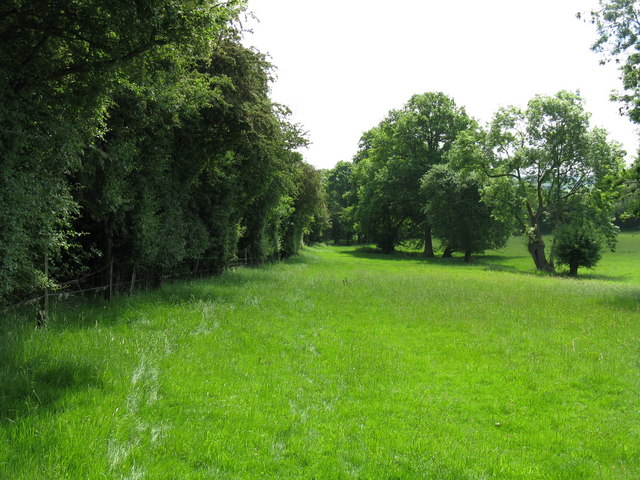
622 265
339 363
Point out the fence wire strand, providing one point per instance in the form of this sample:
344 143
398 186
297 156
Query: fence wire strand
240 263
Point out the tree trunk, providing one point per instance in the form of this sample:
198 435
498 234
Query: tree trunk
110 278
536 249
573 269
387 245
536 244
552 253
428 242
388 236
109 259
195 268
43 313
448 252
133 281
467 256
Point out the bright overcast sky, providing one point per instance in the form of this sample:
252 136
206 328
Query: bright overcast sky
343 64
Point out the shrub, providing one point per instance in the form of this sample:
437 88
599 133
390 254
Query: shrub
578 246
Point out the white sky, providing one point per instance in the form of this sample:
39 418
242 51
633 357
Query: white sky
343 64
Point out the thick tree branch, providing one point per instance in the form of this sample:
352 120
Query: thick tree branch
574 189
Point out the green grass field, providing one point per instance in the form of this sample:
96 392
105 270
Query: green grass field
623 265
339 363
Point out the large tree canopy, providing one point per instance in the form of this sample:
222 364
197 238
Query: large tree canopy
459 217
392 159
618 27
339 188
60 62
538 159
137 138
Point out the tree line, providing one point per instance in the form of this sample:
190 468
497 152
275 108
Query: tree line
137 138
429 169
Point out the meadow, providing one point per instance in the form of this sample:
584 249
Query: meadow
338 363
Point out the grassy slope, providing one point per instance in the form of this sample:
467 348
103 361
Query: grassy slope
336 364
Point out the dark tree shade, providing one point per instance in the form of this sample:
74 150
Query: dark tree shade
458 216
392 159
138 139
341 197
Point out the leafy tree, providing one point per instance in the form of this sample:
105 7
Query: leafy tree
340 190
427 128
458 215
380 217
392 159
538 160
60 62
587 228
159 145
189 182
618 27
273 181
578 246
629 201
308 202
321 221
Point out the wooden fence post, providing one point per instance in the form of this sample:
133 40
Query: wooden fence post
43 313
111 279
133 280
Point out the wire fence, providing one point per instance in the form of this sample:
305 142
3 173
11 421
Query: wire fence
134 284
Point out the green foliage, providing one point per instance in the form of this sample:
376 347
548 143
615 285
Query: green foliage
341 198
145 132
578 246
538 160
618 28
629 200
59 65
308 205
457 214
392 159
585 230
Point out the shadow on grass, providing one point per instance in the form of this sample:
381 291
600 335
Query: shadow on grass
627 301
36 386
33 386
490 262
372 253
497 267
493 263
594 276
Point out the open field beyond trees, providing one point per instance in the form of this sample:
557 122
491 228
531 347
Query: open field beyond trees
338 363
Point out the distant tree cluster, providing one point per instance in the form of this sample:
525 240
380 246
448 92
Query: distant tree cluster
429 169
138 138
